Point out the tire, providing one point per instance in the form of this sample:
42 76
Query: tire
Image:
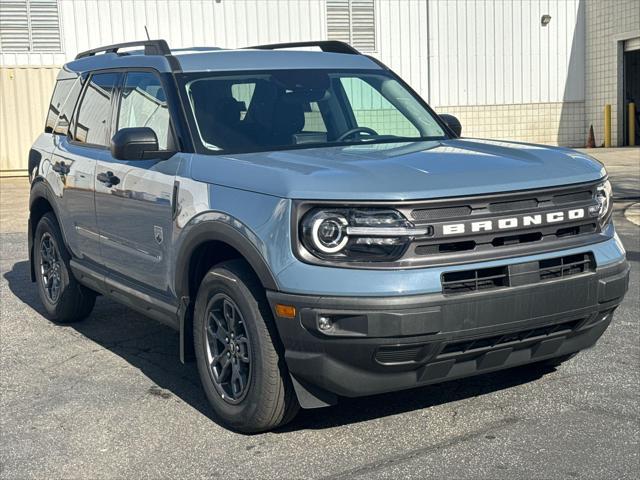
230 294
63 298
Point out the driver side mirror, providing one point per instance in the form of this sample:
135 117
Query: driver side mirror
137 143
453 123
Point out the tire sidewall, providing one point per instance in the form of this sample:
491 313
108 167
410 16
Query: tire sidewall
47 225
221 280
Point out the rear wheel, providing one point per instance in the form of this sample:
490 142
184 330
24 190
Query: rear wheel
238 355
63 298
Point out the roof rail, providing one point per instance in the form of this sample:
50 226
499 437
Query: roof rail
151 47
332 46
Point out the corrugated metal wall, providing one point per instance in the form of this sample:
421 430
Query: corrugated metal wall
24 95
497 52
480 52
454 53
183 23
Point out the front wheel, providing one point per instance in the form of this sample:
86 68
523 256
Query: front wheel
237 351
63 298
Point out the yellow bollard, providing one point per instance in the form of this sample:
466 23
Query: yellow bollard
607 126
632 124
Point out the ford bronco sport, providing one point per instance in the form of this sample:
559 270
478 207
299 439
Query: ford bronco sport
310 226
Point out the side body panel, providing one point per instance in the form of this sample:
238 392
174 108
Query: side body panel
71 175
135 220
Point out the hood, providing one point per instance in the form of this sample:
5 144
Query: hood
399 171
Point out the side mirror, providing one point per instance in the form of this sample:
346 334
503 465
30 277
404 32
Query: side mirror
453 123
136 143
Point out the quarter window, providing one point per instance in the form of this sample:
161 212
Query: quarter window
65 96
144 104
93 123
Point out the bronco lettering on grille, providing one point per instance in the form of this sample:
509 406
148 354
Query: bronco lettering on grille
508 223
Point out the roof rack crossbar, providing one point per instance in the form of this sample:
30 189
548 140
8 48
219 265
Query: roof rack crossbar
151 47
331 46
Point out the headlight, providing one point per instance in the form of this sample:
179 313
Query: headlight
358 234
604 195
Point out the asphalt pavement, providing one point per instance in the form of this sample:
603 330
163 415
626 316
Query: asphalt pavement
108 398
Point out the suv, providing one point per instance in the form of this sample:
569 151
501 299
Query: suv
310 226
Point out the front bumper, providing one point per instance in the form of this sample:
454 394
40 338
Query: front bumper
385 344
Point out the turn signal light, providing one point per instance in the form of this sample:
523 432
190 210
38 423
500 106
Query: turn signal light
285 311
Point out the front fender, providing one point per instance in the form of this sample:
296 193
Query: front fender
255 225
216 226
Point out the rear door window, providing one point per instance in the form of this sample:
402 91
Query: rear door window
144 104
93 121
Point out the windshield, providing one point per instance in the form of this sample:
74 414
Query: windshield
305 108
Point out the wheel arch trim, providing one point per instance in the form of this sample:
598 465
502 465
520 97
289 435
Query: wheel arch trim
40 190
197 233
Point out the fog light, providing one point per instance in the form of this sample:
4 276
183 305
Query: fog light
324 323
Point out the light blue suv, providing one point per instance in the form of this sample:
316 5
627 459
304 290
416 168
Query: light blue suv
310 226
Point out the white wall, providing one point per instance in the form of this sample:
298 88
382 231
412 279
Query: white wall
183 23
481 52
487 61
496 52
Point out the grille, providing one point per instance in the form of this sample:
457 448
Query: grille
513 206
521 202
534 334
565 266
488 242
474 280
467 281
468 235
399 354
440 213
447 247
563 199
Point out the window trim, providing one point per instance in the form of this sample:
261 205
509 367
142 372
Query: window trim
74 123
172 142
182 142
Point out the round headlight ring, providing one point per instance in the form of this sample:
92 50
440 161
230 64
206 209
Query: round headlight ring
329 233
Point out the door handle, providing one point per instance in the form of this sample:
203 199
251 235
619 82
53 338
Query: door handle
61 168
108 178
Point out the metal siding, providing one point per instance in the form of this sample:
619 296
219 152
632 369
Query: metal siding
496 52
183 23
452 52
481 52
25 94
